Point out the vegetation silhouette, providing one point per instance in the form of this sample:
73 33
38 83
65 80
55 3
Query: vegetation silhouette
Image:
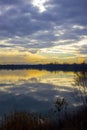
29 121
49 67
80 80
60 104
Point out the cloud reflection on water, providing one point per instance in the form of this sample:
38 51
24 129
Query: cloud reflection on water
35 90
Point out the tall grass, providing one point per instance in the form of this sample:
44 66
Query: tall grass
32 121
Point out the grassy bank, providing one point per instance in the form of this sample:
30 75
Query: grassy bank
32 121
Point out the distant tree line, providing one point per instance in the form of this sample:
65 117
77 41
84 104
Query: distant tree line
49 67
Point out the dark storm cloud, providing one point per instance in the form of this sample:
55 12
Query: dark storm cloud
21 18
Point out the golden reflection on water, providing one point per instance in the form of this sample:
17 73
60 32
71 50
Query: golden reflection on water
19 75
41 76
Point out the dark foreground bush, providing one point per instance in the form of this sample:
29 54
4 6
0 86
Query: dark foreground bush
77 121
25 121
28 121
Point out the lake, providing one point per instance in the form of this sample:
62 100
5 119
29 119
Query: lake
37 90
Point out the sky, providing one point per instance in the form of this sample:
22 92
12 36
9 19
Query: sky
43 31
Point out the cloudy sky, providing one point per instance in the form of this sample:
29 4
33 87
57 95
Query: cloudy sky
41 31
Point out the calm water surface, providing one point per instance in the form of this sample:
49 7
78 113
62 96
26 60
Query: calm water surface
35 90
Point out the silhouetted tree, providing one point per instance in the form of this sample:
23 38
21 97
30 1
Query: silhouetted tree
80 80
60 104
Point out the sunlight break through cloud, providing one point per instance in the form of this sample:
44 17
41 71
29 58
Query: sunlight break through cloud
39 4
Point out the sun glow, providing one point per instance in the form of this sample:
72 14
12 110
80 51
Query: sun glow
39 4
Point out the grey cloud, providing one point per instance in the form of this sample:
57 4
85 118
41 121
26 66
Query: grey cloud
20 25
9 2
4 46
67 9
30 44
24 20
83 49
33 51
